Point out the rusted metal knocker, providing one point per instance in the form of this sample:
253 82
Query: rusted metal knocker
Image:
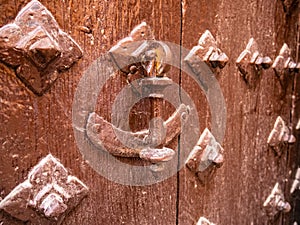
141 52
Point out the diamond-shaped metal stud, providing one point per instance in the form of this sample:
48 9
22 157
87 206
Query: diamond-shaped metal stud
207 51
275 202
141 54
36 48
48 190
279 135
283 62
250 59
43 50
205 157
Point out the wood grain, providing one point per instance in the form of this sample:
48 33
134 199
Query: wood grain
251 169
32 127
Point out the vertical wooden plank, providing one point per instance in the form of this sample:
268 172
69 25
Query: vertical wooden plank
237 193
35 126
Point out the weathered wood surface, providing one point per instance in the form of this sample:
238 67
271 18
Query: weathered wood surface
237 193
32 127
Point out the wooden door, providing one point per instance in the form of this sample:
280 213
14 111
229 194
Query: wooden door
36 124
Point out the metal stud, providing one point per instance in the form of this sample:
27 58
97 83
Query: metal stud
276 203
37 48
49 190
283 62
207 51
205 157
251 59
279 135
140 54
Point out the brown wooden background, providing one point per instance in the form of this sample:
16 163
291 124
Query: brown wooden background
33 126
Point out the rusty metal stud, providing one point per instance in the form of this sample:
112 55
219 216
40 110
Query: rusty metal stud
296 182
275 202
37 48
280 134
251 59
48 190
142 52
205 157
283 62
204 221
208 51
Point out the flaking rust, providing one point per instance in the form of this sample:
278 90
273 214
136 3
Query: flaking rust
37 48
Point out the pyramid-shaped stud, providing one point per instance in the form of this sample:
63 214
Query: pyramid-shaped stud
49 193
140 55
279 135
283 64
208 52
275 202
205 157
251 59
43 52
40 47
37 48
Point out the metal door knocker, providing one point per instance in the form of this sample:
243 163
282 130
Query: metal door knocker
149 144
